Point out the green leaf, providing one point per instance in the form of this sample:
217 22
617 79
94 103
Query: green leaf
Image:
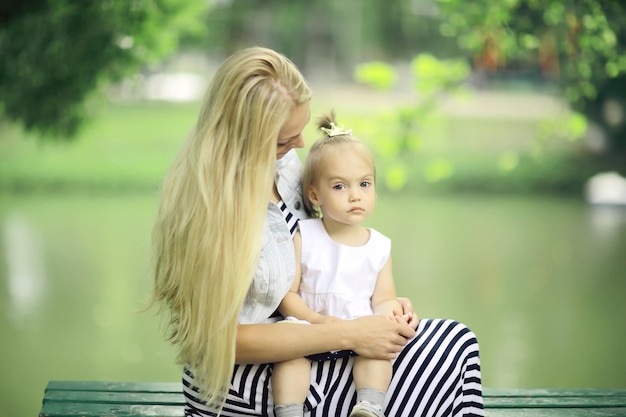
508 161
576 126
438 170
379 75
396 177
529 41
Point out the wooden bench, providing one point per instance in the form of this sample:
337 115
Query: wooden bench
165 399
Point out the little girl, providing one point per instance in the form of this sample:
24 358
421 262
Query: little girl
343 268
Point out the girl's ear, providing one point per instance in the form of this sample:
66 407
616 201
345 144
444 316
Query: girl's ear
313 196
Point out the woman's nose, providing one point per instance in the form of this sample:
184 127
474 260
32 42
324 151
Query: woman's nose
298 142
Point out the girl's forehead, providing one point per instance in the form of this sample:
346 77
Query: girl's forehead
346 158
346 150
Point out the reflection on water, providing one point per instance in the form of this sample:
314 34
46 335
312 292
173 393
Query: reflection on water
510 355
540 280
25 273
80 265
607 222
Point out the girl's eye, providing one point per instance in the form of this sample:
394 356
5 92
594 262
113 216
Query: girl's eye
339 187
365 184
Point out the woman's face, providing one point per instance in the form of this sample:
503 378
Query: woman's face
290 135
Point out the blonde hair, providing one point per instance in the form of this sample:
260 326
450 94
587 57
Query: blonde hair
208 231
333 136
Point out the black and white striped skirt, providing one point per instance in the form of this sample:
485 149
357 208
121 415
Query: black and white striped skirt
436 374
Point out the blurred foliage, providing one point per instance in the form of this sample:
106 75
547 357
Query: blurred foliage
47 74
408 155
580 44
328 32
399 132
54 54
379 75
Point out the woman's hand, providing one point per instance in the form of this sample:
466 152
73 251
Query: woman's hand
377 337
408 313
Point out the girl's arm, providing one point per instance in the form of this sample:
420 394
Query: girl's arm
292 304
384 299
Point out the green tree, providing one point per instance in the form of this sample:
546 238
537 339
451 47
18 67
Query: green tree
328 35
399 133
581 44
54 54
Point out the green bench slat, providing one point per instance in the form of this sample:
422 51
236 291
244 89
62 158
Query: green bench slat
555 402
542 392
143 399
112 399
106 397
62 410
555 412
554 398
109 410
173 387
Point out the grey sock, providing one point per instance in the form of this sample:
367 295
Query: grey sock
371 395
289 410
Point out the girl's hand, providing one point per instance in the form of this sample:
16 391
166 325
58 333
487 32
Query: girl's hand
408 313
401 319
377 337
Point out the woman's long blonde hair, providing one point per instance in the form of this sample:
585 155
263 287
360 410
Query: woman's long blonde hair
208 231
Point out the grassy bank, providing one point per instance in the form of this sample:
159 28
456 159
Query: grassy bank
124 147
128 147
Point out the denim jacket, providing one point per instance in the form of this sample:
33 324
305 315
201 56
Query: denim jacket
277 263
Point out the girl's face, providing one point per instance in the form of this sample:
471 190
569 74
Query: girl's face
290 135
344 190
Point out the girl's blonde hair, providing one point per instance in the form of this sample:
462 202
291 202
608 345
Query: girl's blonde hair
333 136
208 231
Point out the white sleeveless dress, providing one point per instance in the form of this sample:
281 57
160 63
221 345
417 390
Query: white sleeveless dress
337 279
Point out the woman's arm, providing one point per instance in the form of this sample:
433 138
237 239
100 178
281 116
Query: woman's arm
371 337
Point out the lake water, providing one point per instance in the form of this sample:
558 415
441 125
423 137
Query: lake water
540 280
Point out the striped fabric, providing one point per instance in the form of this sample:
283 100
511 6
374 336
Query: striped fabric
292 221
436 374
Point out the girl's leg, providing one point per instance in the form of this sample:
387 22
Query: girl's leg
371 373
371 378
290 385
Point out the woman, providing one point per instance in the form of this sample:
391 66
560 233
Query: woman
224 259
